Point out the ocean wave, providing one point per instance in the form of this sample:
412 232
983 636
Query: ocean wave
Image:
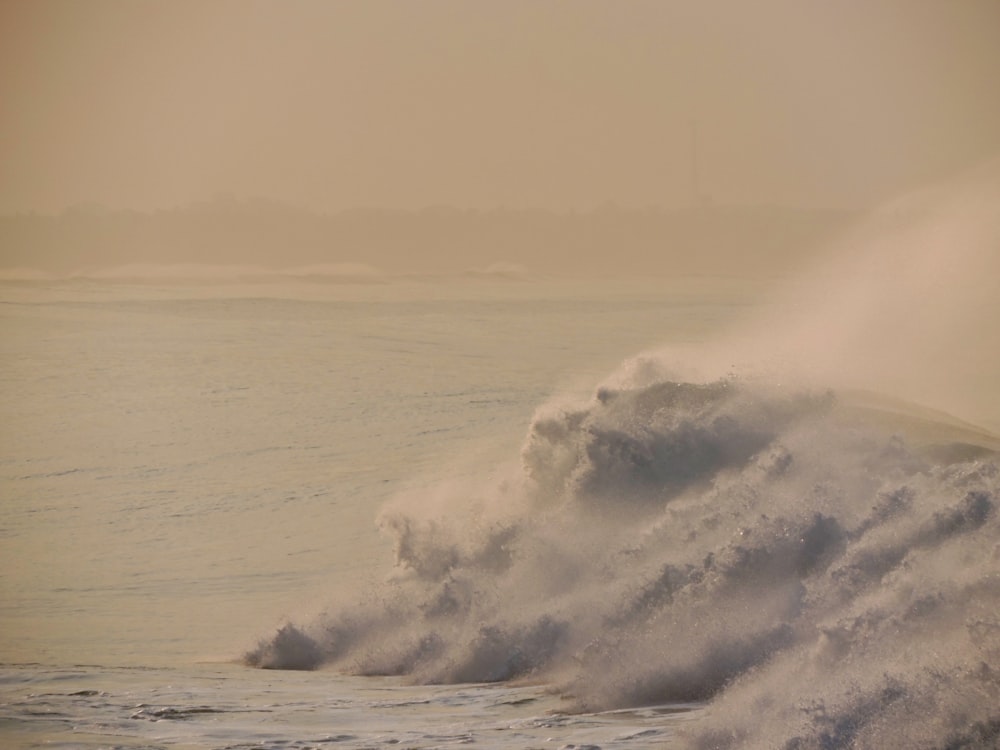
819 569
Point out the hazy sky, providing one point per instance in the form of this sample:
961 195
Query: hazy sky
149 104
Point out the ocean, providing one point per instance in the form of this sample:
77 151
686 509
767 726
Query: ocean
506 512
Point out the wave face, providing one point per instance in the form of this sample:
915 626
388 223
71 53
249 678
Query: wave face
826 574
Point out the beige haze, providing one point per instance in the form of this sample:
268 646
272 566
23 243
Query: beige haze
556 105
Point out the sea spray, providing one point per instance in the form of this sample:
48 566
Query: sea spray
906 303
786 554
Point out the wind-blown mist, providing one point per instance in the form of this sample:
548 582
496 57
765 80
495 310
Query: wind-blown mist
821 564
907 305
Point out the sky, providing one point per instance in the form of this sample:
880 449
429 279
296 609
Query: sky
149 104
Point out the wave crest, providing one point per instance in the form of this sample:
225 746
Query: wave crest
730 540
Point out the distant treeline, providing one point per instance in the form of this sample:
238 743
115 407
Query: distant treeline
705 240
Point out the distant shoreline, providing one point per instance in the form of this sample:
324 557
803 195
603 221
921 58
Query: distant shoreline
723 240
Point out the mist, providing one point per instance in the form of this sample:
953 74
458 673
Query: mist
904 302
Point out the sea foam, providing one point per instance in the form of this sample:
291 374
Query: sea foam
788 555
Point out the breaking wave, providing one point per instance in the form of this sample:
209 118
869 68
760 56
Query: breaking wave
788 555
821 567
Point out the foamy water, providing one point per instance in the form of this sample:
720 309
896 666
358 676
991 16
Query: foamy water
725 541
232 707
